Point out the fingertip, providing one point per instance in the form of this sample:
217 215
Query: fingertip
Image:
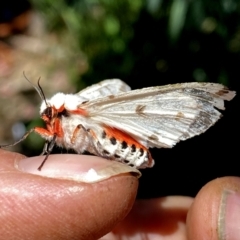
160 218
208 211
80 168
63 208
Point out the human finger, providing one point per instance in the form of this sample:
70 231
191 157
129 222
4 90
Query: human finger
161 218
56 203
215 213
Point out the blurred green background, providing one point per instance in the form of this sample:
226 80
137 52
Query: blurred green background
149 43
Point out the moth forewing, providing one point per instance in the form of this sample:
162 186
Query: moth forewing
162 116
104 88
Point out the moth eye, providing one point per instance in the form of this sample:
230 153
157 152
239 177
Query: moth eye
47 112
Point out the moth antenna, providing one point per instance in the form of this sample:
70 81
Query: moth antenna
38 88
42 93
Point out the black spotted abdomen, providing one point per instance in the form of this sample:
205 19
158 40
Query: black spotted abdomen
117 145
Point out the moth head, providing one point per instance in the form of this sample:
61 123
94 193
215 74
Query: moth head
49 108
56 101
48 114
53 108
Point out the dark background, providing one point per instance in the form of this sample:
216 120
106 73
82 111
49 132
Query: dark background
150 43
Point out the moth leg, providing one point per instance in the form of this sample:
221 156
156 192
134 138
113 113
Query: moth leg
97 146
49 149
20 140
43 132
45 148
75 132
91 135
48 146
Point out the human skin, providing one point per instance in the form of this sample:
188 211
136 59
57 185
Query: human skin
35 205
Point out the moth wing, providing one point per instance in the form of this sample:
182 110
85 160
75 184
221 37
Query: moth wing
104 88
162 116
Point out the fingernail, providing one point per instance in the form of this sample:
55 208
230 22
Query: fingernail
80 168
229 216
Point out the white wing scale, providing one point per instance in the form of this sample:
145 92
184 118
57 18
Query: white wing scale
104 88
158 116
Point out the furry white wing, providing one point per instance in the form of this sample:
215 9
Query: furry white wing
162 116
104 88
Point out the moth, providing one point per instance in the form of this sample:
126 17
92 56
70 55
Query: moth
110 120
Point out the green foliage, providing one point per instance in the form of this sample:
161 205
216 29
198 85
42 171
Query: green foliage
190 39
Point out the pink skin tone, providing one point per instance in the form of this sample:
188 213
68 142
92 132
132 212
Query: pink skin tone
37 206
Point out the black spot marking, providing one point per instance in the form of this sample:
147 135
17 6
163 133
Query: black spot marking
133 148
113 140
104 134
126 161
116 156
141 152
131 165
84 102
106 152
124 145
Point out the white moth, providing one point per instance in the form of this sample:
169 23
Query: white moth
109 120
